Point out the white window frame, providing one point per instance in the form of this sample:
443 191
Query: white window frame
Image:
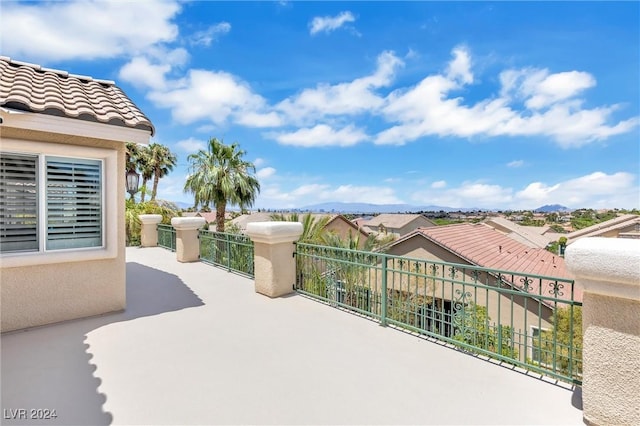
109 220
534 338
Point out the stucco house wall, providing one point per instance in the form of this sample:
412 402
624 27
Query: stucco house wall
419 222
38 288
343 227
511 311
48 285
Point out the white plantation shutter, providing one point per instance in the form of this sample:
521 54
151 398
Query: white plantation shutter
74 203
18 202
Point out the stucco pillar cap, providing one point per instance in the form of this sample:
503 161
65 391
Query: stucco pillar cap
149 219
187 223
608 266
274 232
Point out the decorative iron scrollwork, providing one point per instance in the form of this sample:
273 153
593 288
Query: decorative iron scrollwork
525 284
556 288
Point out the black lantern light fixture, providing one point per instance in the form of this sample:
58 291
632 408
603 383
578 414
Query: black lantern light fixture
133 179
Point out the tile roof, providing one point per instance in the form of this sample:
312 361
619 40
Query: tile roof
483 246
616 223
392 220
528 235
210 217
30 87
486 247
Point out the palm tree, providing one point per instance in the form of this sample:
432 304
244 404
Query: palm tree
145 171
219 175
313 229
159 162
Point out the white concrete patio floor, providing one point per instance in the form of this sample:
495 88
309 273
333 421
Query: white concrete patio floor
197 345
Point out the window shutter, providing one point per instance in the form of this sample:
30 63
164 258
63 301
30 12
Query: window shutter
18 203
74 203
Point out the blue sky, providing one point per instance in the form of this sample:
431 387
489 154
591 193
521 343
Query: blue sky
506 105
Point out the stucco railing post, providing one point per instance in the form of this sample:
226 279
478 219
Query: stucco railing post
149 229
609 271
187 243
275 267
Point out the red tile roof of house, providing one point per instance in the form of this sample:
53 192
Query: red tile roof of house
30 87
483 246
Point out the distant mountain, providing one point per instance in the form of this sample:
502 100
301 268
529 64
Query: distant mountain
335 207
552 208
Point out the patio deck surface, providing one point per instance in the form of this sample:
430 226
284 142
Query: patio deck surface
197 345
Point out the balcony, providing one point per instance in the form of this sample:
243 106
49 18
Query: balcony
198 345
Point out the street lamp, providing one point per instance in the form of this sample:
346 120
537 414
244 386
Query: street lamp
133 180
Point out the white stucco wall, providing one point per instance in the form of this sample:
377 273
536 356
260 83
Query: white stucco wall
609 271
42 288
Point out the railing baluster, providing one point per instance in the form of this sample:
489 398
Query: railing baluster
454 313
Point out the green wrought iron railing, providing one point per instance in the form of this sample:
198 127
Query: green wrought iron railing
231 251
531 321
166 236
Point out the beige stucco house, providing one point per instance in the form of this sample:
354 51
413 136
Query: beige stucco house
336 223
481 245
397 224
623 226
532 236
62 194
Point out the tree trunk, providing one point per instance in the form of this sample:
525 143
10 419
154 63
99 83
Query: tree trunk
220 213
154 191
143 190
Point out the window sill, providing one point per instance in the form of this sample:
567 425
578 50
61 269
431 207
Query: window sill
16 260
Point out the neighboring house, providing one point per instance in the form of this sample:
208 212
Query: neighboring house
338 224
396 223
361 223
480 245
532 236
624 226
62 194
243 220
209 217
343 227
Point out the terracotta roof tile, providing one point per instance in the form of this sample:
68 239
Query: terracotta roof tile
392 220
481 245
489 248
33 88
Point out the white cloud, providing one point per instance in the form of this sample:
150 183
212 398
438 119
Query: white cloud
320 135
459 68
206 128
539 89
515 164
265 173
276 197
206 37
596 190
171 188
215 96
328 24
192 145
85 29
350 98
552 108
256 119
142 73
439 184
